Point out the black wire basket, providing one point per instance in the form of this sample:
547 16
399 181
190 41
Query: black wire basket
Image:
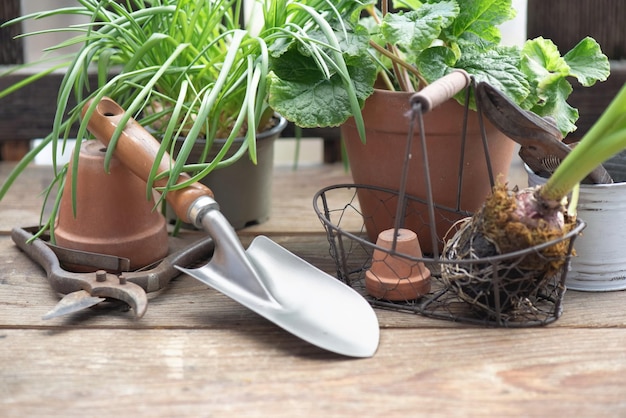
496 291
492 291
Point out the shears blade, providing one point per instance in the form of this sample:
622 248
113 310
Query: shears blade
73 302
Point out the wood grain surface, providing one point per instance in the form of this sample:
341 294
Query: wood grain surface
197 353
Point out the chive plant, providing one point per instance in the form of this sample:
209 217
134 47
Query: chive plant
194 69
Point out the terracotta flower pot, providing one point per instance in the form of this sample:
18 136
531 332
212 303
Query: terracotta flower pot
113 215
395 276
379 162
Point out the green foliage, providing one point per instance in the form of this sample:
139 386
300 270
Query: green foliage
190 68
548 71
438 36
299 91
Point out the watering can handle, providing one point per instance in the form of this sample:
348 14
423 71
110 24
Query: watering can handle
441 90
136 148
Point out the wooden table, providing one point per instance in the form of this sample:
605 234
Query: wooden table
197 353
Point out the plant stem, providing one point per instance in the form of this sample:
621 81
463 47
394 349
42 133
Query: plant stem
606 138
394 58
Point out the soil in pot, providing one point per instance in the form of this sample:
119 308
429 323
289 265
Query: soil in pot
379 162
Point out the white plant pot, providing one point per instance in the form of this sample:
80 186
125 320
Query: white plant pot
600 261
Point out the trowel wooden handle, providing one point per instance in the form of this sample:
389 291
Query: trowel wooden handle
137 150
441 90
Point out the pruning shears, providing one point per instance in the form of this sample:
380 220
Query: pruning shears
541 143
109 280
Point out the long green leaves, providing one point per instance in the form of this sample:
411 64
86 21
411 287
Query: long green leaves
191 69
606 138
339 64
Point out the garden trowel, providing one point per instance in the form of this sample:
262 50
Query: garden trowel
265 278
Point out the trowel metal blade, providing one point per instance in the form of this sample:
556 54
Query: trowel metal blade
308 303
73 302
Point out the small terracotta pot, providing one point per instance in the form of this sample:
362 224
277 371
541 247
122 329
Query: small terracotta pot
393 276
113 215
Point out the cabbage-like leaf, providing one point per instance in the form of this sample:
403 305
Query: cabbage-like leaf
587 62
498 67
416 30
307 98
542 62
478 21
554 103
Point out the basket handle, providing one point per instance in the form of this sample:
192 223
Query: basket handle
441 90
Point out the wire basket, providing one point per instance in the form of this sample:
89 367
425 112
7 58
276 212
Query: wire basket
502 294
492 291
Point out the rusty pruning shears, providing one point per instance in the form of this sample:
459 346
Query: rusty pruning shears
83 290
541 143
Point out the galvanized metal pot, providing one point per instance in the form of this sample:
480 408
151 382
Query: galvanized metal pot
600 261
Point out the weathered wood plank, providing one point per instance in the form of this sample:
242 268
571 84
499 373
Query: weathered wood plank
187 372
293 224
198 353
29 112
567 25
26 297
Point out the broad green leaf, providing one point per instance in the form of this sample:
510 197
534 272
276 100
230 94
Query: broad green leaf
433 63
554 103
279 47
416 30
478 20
498 67
542 62
352 43
406 4
543 56
303 94
587 62
356 41
363 74
324 103
293 66
309 105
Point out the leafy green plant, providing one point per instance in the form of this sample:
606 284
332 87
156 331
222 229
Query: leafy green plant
192 69
425 40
